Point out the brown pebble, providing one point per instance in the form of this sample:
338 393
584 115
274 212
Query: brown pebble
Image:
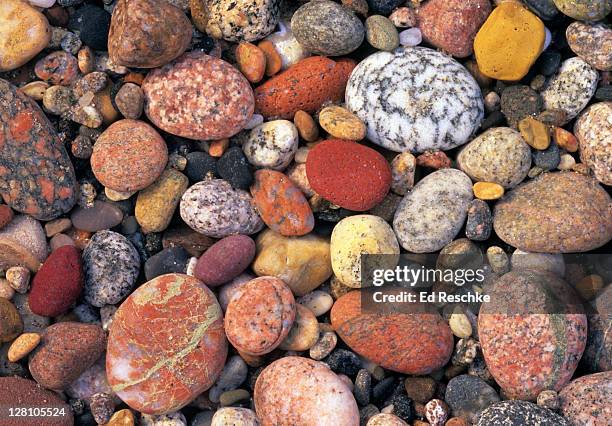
199 14
251 61
273 60
22 346
35 90
589 286
535 133
307 128
565 139
6 215
304 333
123 417
11 324
130 101
86 60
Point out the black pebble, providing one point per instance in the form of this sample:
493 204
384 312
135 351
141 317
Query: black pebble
383 389
153 243
93 24
547 159
604 93
496 118
403 407
199 166
479 221
383 7
545 9
363 387
342 361
235 168
549 62
167 261
366 413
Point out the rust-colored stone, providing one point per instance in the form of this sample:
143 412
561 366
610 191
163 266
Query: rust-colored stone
274 62
58 68
251 61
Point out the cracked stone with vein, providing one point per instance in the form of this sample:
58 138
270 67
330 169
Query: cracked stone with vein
166 344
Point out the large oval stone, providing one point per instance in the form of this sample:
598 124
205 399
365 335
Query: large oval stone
36 175
588 400
166 344
555 213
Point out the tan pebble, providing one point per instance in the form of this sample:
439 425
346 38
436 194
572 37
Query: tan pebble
565 139
319 302
403 167
117 195
22 346
403 17
460 325
341 123
566 162
218 147
307 128
86 60
304 333
56 226
58 99
6 291
301 155
19 278
199 14
274 61
535 171
35 90
324 346
88 116
123 417
104 104
251 61
535 133
488 190
589 286
231 397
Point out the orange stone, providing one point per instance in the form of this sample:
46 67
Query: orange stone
281 204
273 60
251 61
565 139
307 127
218 147
488 190
166 344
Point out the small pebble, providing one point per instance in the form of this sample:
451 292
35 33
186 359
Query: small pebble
488 191
410 37
307 127
130 101
324 346
22 346
18 278
381 33
535 133
341 123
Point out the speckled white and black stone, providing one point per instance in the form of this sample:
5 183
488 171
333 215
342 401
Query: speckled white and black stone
111 265
415 99
272 144
242 20
215 209
519 413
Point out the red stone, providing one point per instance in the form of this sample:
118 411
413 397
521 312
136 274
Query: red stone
58 283
434 160
451 25
6 215
588 400
281 204
166 344
303 86
198 97
58 68
259 318
225 260
348 174
406 342
130 155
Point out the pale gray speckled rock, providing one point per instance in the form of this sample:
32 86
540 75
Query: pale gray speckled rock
111 265
592 42
415 99
215 209
571 88
432 214
235 416
327 28
170 419
519 413
594 132
498 155
272 144
233 375
242 20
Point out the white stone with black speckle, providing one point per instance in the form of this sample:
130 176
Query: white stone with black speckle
272 145
415 99
519 413
242 20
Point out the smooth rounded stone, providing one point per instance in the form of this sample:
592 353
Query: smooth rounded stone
296 390
355 236
66 350
287 46
431 215
234 167
24 32
598 352
363 387
272 144
377 336
167 261
175 418
594 132
410 37
29 142
379 85
305 86
242 20
326 28
58 68
383 7
101 215
260 316
420 389
304 333
161 369
547 159
479 221
111 265
348 174
22 346
147 33
225 260
468 396
385 419
30 394
571 88
58 99
499 155
201 165
555 213
324 346
531 315
91 381
381 33
344 362
588 400
318 301
234 416
130 101
403 167
592 42
518 413
341 123
519 102
452 25
233 375
303 263
585 10
188 96
155 205
297 174
251 61
543 262
23 243
545 9
215 209
58 283
11 324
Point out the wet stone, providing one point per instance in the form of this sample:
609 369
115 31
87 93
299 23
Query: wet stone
170 260
101 215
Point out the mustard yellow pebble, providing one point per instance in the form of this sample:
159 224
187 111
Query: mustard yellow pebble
488 190
509 42
535 133
341 123
23 345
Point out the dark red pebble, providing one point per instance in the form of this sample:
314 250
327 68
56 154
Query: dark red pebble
348 174
58 68
434 160
225 260
58 283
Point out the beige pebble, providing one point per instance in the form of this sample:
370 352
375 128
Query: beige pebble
22 346
6 291
35 90
403 167
57 226
319 302
460 325
566 162
341 123
304 332
19 278
117 195
86 59
233 396
323 347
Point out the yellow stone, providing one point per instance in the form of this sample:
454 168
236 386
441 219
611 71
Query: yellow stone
122 418
509 42
23 345
535 133
488 190
341 123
